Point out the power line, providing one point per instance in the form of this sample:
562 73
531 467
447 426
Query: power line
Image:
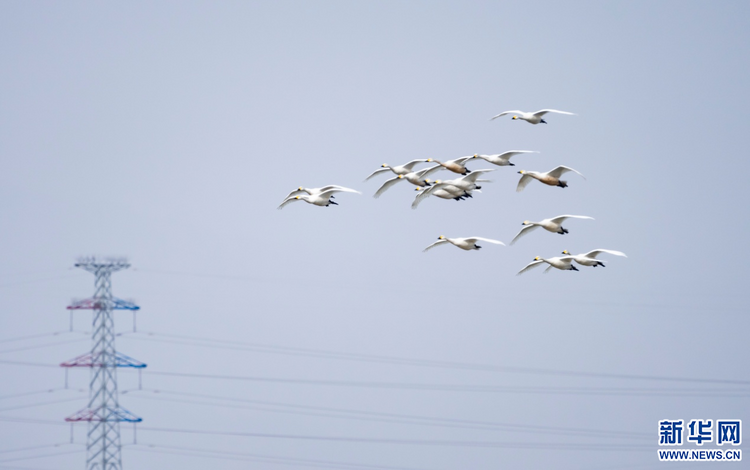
447 443
41 456
726 393
403 419
27 394
28 273
208 453
34 281
467 388
214 276
8 467
32 421
20 449
21 338
24 363
33 405
255 347
419 442
45 345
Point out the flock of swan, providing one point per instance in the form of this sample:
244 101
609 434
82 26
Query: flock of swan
462 187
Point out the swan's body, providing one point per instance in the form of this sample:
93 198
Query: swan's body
463 243
533 118
467 183
461 187
457 165
417 178
589 259
503 159
553 225
319 199
559 262
398 170
443 192
551 178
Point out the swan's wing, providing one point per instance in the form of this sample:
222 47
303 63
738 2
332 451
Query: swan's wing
411 164
439 242
474 175
417 200
387 185
327 194
377 172
560 218
595 253
294 193
560 170
425 193
515 111
338 189
531 265
542 112
288 200
421 195
445 185
526 229
548 268
428 171
523 182
506 155
488 240
461 160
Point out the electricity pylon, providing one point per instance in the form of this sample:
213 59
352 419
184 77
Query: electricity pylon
103 413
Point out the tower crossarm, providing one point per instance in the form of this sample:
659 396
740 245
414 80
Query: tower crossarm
94 303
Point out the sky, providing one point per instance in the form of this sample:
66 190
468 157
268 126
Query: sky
169 132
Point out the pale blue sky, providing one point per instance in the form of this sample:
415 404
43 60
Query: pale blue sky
169 132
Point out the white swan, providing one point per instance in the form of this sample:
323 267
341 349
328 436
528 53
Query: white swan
533 118
467 183
551 178
318 199
443 192
417 178
503 159
457 165
589 259
398 170
559 262
553 225
460 187
463 243
313 191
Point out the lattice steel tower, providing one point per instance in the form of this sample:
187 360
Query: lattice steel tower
103 413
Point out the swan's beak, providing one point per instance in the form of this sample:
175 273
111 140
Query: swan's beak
520 172
515 117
